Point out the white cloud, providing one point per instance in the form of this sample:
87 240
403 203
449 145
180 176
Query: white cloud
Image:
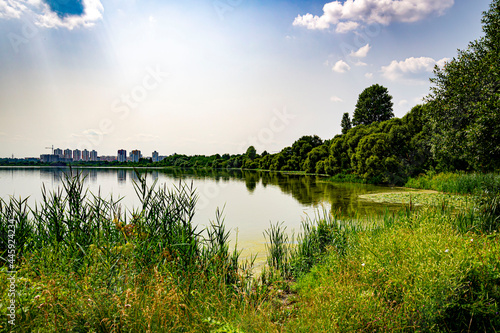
11 9
398 69
45 17
360 63
341 67
403 102
383 12
343 27
369 75
362 52
336 99
442 62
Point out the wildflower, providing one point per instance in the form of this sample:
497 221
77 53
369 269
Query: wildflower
363 264
472 239
446 250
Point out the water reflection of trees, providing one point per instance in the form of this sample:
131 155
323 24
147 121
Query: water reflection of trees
306 189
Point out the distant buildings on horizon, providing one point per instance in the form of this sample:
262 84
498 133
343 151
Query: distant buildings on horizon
69 155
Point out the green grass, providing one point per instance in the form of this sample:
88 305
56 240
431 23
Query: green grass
86 265
459 183
419 274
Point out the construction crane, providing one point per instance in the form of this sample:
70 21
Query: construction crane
51 148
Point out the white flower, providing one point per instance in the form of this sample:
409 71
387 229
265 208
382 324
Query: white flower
472 239
446 250
362 264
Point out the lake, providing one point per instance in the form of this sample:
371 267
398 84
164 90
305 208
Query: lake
251 199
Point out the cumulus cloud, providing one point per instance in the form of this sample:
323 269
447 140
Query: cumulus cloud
362 52
44 16
397 69
369 75
346 15
341 67
343 27
336 99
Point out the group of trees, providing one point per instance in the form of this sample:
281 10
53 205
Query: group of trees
464 104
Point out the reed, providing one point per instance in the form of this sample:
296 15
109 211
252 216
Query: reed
84 264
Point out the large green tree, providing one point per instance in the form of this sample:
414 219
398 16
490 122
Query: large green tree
374 104
464 104
345 124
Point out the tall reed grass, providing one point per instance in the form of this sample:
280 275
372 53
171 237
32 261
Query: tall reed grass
87 265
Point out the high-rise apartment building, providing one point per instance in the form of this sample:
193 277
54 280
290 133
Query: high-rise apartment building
77 155
68 154
155 156
122 155
93 155
85 155
135 155
58 152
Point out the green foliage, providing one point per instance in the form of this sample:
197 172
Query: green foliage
374 105
382 152
345 124
313 157
460 183
464 102
251 153
415 273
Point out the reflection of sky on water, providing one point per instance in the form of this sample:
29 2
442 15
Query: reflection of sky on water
251 200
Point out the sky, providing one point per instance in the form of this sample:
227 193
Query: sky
211 76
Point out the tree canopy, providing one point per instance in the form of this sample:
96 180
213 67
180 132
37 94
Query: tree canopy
464 104
374 104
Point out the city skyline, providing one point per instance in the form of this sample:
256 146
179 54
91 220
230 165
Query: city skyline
207 77
68 155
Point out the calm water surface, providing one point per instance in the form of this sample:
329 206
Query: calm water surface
251 200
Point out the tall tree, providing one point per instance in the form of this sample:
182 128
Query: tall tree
251 152
464 103
345 123
374 104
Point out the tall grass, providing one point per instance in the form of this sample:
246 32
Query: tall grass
414 273
459 183
86 265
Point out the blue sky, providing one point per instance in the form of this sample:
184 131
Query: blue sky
205 77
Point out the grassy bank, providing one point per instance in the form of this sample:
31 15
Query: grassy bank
417 272
85 265
459 183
